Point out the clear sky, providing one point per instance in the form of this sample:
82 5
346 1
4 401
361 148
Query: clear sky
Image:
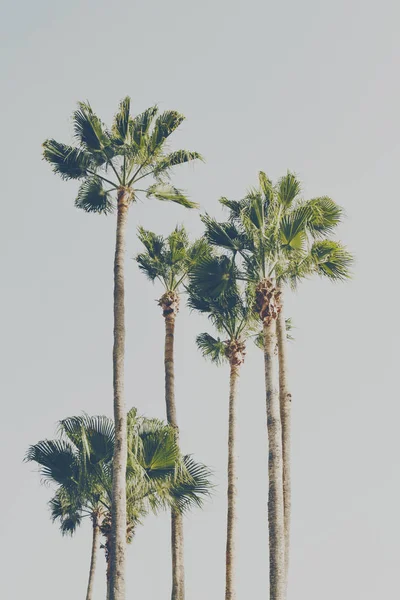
311 86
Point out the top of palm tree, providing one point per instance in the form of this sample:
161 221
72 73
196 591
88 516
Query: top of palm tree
273 232
132 155
228 308
79 464
169 259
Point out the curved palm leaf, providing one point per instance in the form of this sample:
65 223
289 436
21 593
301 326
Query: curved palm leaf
332 260
169 193
212 348
93 198
67 161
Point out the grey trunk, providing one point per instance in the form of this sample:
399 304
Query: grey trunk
95 545
177 547
230 587
275 470
118 522
285 400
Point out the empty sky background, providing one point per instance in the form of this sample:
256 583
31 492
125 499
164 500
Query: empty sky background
308 85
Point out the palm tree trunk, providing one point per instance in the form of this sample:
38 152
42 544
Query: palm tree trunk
285 401
118 523
177 547
275 469
230 588
95 545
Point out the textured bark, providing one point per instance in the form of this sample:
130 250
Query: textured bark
170 305
118 521
230 586
95 546
285 401
275 469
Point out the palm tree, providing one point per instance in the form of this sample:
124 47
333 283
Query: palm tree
232 317
115 167
79 464
271 232
169 261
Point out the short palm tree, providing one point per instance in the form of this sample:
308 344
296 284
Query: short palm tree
233 318
168 260
80 466
116 166
271 235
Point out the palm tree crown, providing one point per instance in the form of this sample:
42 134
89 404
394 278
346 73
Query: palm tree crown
169 260
80 465
134 150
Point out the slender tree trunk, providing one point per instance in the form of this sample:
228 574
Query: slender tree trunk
230 587
177 544
95 545
118 522
285 401
275 469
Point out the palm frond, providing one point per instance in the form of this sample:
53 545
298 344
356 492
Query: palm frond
159 450
234 206
93 198
67 161
179 157
266 189
191 491
223 235
255 213
332 260
88 129
165 124
211 348
169 193
288 189
325 216
66 511
120 127
292 228
213 276
154 244
141 124
56 460
94 436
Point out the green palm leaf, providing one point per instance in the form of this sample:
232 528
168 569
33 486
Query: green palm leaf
69 162
292 228
179 157
169 193
141 125
93 198
213 276
224 235
288 189
56 459
165 124
325 216
120 127
212 348
190 491
88 129
332 260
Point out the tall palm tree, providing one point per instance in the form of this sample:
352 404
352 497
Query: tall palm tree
116 166
169 260
232 317
79 464
270 232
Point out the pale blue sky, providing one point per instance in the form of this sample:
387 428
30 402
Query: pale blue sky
312 86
